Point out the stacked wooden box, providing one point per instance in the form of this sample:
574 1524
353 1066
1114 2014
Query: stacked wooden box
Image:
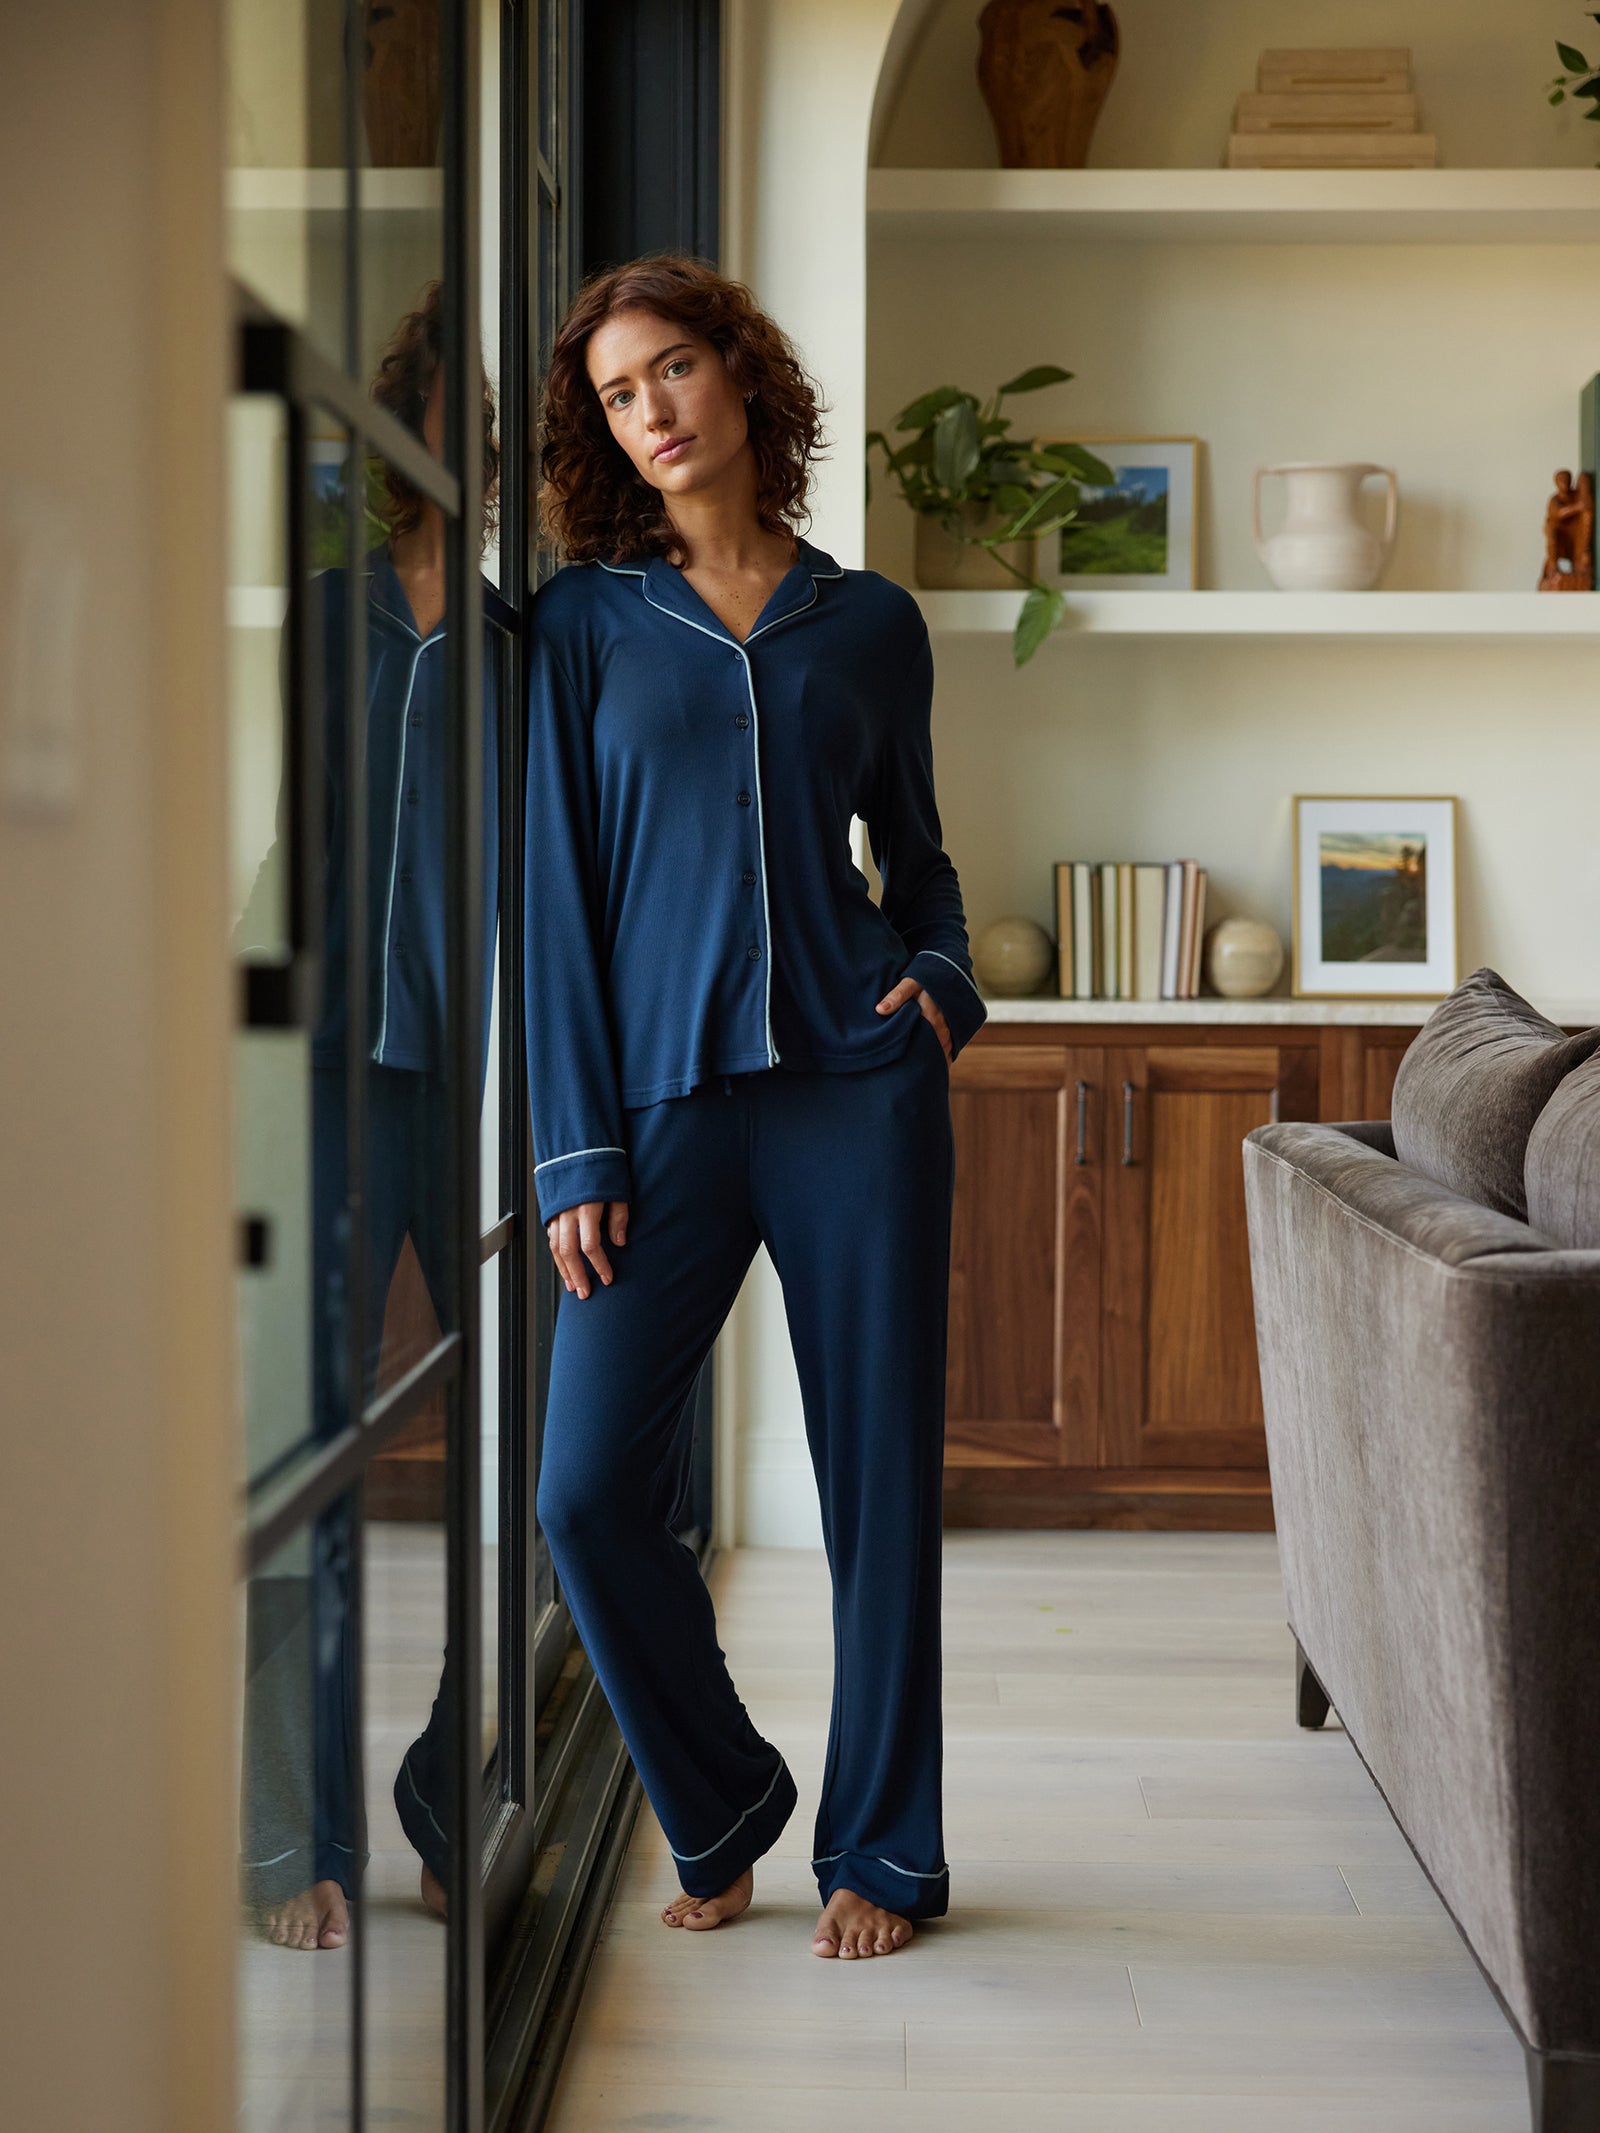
1340 109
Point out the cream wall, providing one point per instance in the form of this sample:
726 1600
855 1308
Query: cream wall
1479 68
115 1230
799 82
1461 366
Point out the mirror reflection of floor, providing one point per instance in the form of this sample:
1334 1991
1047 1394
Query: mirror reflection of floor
294 2007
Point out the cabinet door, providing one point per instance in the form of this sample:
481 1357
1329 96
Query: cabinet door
1180 1384
1023 1376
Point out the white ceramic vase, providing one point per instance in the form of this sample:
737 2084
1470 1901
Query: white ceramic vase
1322 545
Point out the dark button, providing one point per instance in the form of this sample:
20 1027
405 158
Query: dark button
416 718
411 797
749 877
405 876
743 798
400 945
753 952
741 718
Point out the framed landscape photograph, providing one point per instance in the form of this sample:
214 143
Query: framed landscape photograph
1138 535
1374 896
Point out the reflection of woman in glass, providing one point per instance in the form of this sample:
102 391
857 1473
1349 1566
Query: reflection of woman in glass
730 1044
304 1841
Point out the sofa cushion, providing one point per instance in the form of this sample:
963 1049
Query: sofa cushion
1562 1170
1477 1075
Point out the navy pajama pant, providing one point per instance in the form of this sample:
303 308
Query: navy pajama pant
302 1817
847 1179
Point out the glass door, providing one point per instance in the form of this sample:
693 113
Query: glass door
366 708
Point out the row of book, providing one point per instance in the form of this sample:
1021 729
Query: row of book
1129 929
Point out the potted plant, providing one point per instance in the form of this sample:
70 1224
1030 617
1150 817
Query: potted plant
976 487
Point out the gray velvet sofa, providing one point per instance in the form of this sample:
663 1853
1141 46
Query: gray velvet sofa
1427 1298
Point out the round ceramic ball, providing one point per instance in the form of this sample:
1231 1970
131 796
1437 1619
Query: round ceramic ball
1013 957
1243 958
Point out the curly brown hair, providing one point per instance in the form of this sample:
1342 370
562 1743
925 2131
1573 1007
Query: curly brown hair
592 502
401 383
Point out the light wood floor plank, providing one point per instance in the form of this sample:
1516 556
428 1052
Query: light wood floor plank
1170 1906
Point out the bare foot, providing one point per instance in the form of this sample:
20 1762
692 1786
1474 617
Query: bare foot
317 1918
701 1913
852 1926
433 1894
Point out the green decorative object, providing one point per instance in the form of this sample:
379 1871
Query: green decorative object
1013 957
1581 81
962 468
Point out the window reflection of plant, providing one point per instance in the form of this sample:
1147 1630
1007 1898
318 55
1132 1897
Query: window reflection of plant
1581 81
962 454
326 515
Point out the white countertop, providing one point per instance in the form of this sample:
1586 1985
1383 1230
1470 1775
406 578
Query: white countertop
1580 1014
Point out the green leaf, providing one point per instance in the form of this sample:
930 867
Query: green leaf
1558 96
927 410
1011 496
1031 380
1041 611
1590 88
1571 58
955 445
1086 465
1045 501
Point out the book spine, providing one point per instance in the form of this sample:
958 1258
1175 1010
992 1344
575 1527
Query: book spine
1125 942
1064 928
1109 960
1172 926
1199 932
1082 932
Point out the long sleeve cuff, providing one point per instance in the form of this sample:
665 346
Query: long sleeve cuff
959 999
586 1174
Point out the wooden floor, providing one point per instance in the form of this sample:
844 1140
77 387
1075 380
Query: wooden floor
1171 1910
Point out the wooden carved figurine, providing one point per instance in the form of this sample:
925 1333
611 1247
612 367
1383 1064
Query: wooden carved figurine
1569 536
1044 69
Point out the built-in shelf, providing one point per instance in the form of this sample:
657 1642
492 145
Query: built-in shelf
310 194
1526 615
1242 206
1568 1014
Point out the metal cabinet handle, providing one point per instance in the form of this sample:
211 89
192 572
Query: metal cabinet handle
1082 1155
1127 1122
1273 1110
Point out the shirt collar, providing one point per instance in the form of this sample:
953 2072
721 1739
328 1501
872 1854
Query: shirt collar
387 594
666 587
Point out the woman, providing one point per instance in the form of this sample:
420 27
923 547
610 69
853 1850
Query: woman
303 1822
730 1044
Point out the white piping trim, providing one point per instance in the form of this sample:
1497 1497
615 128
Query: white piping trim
689 1858
954 965
910 1872
573 1157
422 644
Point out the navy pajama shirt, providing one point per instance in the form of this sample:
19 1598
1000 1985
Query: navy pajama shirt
301 1818
703 962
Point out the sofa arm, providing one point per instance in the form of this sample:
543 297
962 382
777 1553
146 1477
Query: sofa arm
1356 1164
1430 1376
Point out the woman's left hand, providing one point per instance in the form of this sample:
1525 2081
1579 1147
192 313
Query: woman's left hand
908 988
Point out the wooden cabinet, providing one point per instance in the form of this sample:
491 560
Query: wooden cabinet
1102 1364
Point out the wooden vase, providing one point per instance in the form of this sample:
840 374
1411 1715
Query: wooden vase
400 88
1044 69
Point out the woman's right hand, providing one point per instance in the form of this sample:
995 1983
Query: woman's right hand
574 1235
